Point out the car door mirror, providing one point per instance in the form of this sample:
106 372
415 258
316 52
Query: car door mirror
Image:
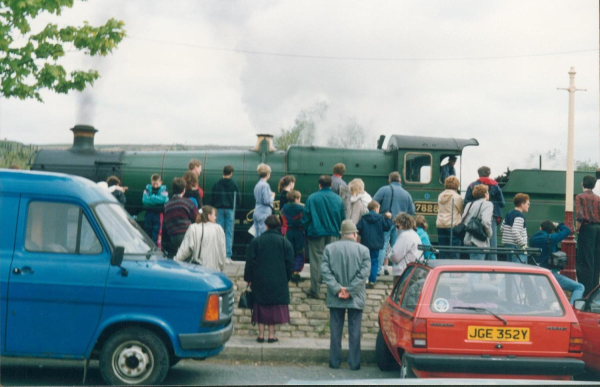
117 257
579 304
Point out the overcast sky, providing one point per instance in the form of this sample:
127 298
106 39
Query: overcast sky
218 72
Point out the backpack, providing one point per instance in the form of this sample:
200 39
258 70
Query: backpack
475 227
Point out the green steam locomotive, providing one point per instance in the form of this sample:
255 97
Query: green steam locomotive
418 159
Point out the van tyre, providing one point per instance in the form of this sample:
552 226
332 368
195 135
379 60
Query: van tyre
385 360
405 371
134 356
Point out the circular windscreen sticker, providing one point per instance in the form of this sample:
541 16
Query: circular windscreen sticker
441 305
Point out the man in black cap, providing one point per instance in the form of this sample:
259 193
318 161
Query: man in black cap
448 169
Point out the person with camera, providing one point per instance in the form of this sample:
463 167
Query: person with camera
547 238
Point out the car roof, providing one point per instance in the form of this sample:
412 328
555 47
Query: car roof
457 263
52 184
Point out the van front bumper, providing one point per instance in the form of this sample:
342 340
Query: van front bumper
206 341
499 365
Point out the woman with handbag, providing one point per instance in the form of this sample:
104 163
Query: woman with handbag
450 209
204 242
269 268
478 219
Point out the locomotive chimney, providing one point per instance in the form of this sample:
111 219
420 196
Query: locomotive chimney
264 143
83 138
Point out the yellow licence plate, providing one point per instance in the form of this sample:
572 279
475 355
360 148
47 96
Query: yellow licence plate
498 334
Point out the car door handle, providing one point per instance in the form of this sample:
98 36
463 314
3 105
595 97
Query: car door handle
24 270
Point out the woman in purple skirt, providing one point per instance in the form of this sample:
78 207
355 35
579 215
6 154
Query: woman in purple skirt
269 268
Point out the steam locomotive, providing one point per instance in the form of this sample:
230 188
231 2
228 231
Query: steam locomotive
418 159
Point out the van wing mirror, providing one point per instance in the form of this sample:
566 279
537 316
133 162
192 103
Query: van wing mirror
579 304
117 257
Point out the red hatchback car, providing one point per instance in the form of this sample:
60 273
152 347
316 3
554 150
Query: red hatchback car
588 314
479 319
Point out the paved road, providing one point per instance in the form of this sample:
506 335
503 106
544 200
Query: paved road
35 372
188 372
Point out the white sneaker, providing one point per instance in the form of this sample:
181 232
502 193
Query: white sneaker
228 261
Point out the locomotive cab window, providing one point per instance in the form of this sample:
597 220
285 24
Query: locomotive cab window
59 228
417 168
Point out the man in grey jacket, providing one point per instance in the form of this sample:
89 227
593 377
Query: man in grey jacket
345 267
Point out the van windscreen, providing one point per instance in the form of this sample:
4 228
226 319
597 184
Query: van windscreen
122 230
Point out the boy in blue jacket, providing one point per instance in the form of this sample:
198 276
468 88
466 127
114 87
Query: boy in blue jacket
371 228
550 235
154 200
292 213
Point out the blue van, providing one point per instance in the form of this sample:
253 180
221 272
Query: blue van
81 280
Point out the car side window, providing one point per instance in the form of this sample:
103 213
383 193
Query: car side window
595 302
59 228
413 290
397 292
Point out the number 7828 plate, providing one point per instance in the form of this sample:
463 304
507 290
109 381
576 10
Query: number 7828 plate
426 208
477 333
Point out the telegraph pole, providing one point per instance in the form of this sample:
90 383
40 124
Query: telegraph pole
568 245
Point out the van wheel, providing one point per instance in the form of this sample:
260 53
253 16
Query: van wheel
385 360
134 356
405 371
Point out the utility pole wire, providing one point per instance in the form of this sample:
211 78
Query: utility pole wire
350 58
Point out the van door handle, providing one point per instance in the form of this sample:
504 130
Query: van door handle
24 270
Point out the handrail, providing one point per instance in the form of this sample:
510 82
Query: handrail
465 249
482 250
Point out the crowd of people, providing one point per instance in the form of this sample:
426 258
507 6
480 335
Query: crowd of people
351 237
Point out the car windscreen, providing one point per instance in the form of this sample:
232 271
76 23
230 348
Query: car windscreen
517 294
122 229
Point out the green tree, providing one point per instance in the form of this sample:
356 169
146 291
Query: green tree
350 135
29 60
305 125
585 165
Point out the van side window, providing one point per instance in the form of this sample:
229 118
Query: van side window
417 168
413 290
400 284
59 228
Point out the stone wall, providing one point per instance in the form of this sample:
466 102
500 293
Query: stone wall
310 317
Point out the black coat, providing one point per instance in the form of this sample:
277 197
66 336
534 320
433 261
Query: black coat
269 267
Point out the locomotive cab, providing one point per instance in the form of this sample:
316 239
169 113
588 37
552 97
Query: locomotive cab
420 161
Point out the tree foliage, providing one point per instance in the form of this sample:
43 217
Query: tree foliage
350 135
29 60
305 125
586 165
